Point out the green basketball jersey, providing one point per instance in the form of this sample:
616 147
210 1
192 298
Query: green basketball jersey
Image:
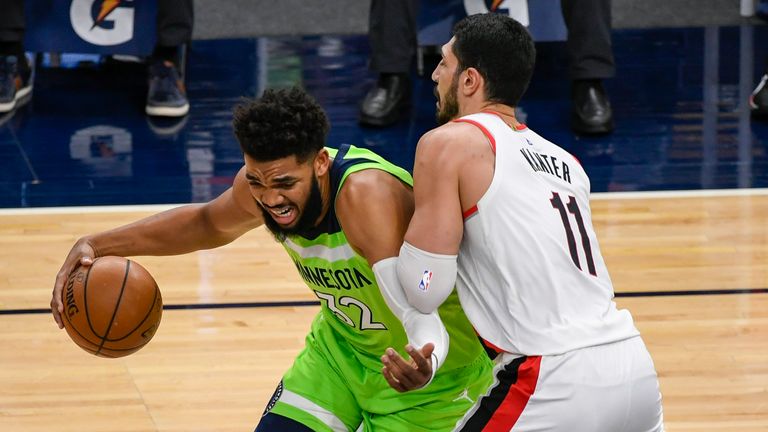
352 305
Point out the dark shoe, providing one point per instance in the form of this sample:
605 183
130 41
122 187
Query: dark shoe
167 96
758 101
591 112
14 85
385 102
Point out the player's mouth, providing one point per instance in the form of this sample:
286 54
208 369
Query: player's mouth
283 215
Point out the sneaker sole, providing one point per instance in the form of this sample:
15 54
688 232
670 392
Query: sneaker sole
17 99
23 92
167 111
8 106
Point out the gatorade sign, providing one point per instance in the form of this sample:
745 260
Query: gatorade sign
91 26
103 22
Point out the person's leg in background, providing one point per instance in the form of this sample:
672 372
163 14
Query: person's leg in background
15 71
392 35
590 61
167 94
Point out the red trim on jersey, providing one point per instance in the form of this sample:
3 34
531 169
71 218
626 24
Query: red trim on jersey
490 345
488 135
470 211
577 160
517 398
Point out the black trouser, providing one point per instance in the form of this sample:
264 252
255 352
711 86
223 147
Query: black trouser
392 34
589 38
174 21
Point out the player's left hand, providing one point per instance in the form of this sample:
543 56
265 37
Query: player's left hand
408 375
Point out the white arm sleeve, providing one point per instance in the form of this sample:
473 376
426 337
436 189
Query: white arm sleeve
426 278
420 328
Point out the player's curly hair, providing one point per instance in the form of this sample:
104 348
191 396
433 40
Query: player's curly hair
279 124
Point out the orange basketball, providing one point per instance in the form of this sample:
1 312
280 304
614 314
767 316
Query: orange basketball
111 308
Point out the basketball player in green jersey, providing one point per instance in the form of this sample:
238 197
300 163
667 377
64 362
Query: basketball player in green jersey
337 212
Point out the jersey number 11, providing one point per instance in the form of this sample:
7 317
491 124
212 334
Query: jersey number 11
573 208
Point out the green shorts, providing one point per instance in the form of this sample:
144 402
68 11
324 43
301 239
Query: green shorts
329 389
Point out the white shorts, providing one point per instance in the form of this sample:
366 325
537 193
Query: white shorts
605 388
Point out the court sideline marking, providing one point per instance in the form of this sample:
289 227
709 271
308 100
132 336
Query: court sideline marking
245 305
599 196
595 196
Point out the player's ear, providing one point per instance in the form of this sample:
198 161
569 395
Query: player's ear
470 81
322 162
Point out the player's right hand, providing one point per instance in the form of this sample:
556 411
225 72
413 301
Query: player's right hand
406 375
81 254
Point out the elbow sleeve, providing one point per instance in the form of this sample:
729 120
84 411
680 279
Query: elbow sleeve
426 278
421 328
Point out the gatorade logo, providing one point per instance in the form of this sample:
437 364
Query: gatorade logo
517 9
103 22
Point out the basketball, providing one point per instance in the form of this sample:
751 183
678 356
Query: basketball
111 308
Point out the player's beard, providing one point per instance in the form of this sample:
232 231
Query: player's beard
449 106
309 215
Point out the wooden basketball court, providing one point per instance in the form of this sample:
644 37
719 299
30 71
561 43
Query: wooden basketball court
692 268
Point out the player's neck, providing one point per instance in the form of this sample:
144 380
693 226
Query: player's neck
324 182
505 112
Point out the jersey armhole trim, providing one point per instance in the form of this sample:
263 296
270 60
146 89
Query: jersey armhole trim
470 212
482 128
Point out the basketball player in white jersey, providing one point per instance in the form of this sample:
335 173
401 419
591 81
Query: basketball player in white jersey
504 215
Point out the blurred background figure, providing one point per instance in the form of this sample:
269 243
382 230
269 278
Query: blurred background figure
166 95
590 61
392 35
393 39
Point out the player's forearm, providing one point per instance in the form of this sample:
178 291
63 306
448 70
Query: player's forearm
173 232
421 328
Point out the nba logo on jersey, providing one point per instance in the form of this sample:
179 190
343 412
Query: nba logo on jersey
425 280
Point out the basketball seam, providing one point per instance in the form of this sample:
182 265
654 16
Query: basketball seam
85 298
117 305
72 326
149 312
133 348
85 306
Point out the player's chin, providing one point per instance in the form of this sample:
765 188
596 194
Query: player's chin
287 220
288 225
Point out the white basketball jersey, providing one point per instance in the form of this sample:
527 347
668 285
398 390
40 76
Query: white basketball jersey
531 278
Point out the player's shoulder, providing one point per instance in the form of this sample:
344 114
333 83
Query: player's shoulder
241 192
370 185
450 134
368 201
240 183
450 143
